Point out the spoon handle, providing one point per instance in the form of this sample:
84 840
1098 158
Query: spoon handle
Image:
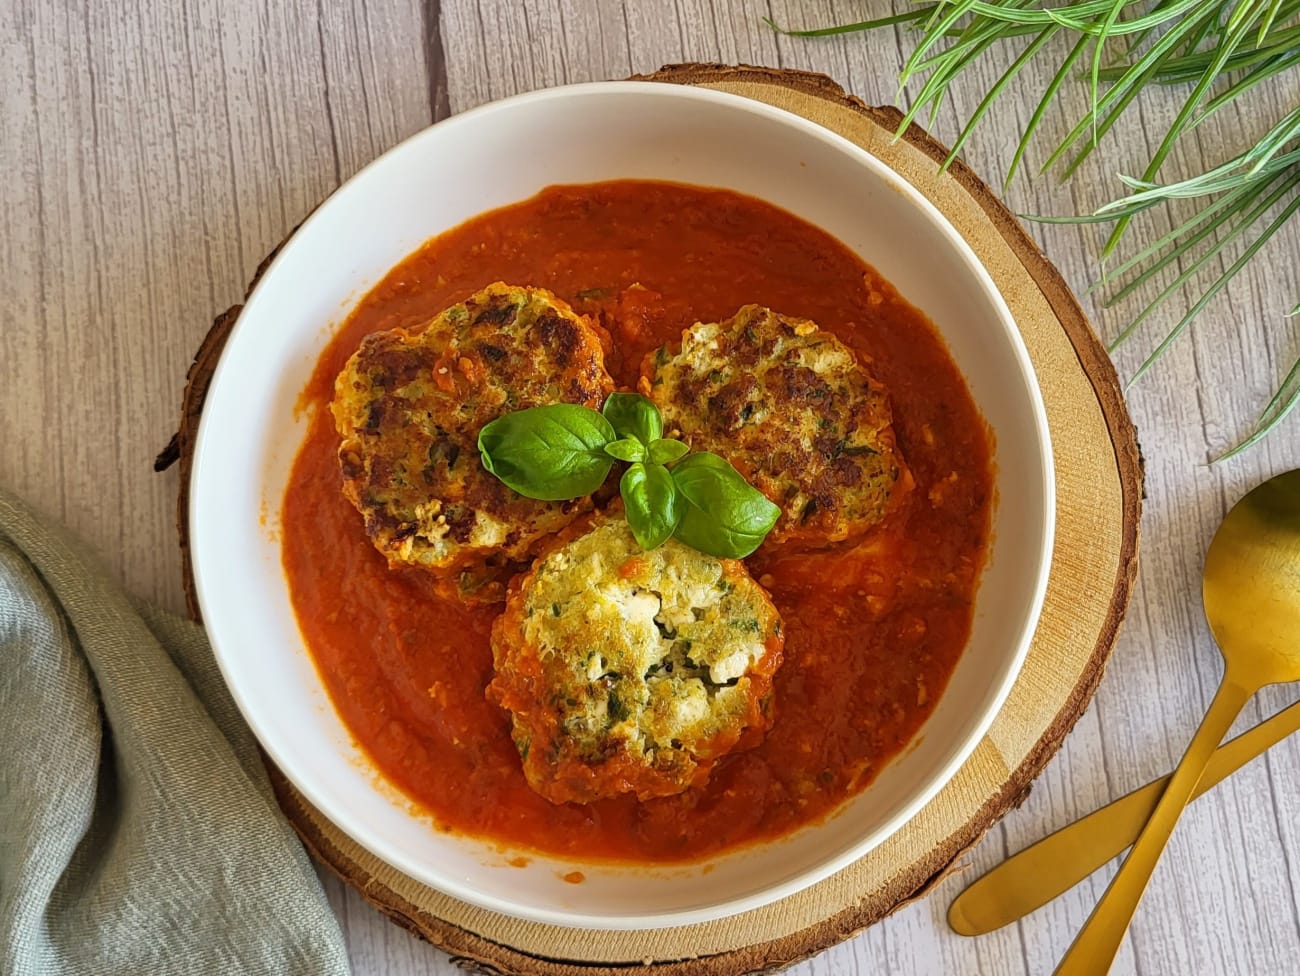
1097 943
1034 876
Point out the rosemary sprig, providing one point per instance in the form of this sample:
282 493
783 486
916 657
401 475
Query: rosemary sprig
1220 51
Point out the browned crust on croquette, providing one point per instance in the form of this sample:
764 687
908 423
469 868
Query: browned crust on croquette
409 406
795 411
541 692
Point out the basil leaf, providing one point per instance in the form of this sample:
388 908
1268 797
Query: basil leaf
650 503
666 451
722 514
550 453
634 416
626 449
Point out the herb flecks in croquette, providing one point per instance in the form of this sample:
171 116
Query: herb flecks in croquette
796 413
409 406
686 646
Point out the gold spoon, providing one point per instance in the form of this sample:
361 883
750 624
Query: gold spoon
1251 588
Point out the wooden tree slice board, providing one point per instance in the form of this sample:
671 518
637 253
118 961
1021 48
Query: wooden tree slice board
1099 488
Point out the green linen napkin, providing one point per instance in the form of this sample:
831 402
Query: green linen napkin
138 832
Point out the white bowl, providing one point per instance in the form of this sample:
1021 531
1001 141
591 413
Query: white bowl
506 152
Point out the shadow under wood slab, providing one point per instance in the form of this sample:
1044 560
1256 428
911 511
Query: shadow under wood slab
1099 487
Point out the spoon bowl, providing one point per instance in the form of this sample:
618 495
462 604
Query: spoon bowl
1251 583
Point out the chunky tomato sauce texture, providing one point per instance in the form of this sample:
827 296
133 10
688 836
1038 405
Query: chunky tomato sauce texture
873 633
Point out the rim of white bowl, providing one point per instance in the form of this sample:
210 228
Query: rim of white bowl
815 872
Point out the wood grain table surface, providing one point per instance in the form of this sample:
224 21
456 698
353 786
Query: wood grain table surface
153 151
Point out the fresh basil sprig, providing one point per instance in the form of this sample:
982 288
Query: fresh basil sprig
565 451
634 416
627 449
650 503
666 451
551 453
721 511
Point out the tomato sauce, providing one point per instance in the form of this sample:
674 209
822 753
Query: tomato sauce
873 632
